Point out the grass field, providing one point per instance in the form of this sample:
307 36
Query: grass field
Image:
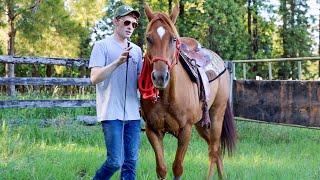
51 144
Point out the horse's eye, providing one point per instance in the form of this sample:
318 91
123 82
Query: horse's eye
149 40
173 40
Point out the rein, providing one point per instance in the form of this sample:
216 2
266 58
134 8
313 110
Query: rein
146 87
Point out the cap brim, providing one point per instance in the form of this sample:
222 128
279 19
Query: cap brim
136 13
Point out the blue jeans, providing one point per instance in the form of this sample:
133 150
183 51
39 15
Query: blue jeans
122 140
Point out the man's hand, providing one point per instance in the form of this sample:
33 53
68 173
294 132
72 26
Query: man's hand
123 57
98 74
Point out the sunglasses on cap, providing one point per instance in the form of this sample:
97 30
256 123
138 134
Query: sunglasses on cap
127 23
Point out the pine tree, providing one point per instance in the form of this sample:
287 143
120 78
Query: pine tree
296 40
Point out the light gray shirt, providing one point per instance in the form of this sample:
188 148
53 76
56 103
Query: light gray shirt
110 93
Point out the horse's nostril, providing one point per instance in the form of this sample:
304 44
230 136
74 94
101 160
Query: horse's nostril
167 77
153 76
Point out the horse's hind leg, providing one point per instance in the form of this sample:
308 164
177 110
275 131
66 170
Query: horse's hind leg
212 137
215 153
217 112
156 141
183 142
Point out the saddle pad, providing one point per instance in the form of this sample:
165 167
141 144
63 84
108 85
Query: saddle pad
215 67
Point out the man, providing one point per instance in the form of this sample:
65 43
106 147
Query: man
115 64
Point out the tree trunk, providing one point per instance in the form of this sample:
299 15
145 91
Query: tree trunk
293 71
284 28
255 47
249 29
319 43
181 17
49 71
213 45
283 72
9 68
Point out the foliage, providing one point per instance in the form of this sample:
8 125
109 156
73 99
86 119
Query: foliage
226 33
105 26
296 39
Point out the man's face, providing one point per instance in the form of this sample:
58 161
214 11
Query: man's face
125 26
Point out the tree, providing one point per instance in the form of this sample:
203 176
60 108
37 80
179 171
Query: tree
226 33
140 31
296 40
85 13
14 9
51 23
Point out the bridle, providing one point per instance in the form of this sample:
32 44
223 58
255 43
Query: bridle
152 59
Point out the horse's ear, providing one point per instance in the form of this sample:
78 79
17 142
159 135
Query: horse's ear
148 11
175 13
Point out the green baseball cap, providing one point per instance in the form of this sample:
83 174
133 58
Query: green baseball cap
125 10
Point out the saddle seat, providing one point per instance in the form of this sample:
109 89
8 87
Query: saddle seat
193 50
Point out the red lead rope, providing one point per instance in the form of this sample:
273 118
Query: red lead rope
146 87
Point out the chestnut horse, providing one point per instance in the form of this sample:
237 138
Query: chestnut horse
177 106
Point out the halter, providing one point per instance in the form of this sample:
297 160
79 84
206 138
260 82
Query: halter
153 59
146 87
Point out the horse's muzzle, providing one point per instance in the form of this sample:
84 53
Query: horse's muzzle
160 79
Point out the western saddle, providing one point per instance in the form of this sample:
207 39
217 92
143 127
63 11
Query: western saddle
203 66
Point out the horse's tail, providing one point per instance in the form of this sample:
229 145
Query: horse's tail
228 134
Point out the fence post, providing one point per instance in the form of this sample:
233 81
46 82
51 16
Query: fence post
270 70
299 70
244 71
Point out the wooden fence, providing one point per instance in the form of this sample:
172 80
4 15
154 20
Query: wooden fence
45 81
262 104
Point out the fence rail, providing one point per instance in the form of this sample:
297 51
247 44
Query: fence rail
43 60
46 81
46 103
39 81
269 61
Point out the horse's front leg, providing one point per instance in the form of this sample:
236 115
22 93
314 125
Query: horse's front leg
183 142
156 141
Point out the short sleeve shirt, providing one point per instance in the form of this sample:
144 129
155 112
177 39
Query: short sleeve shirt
110 93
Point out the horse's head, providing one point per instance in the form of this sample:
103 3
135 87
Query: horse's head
162 45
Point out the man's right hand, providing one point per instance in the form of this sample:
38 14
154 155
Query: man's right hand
123 57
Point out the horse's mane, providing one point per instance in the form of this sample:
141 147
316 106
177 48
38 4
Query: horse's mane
166 19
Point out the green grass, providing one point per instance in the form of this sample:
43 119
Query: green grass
50 144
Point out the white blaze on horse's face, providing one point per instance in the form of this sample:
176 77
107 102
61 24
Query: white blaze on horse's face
161 31
160 74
